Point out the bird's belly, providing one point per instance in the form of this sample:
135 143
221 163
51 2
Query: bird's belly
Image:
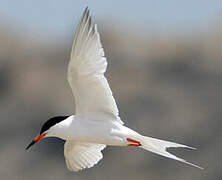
96 132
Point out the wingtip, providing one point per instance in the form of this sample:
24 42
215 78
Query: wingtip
86 9
85 13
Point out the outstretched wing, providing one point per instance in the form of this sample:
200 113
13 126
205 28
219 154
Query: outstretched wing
79 156
93 96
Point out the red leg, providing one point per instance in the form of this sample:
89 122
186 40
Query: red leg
136 143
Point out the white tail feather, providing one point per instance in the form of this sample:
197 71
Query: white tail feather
160 146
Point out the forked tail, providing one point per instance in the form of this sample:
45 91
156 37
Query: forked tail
160 146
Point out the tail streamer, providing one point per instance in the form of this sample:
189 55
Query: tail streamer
160 147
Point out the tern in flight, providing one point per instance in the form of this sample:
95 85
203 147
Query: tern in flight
96 123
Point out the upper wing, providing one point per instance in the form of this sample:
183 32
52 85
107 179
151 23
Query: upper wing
86 70
79 156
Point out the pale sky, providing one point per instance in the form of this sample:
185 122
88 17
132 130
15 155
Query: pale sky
56 16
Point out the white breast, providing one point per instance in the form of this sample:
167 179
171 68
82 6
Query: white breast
83 130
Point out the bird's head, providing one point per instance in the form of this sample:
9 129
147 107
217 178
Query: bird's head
46 128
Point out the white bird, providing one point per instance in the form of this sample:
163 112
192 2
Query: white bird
96 123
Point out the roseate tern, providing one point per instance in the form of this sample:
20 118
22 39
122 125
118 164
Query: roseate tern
96 123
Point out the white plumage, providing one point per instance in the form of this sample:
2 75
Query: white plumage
96 122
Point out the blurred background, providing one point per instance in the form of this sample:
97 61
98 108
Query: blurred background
165 70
